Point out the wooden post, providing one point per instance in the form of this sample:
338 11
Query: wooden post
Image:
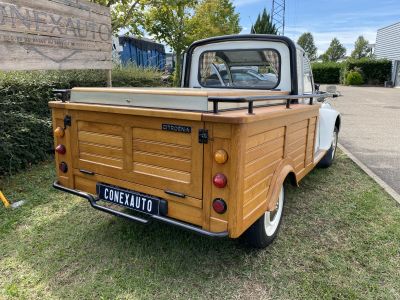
109 78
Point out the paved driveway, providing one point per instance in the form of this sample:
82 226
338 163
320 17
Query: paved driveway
371 129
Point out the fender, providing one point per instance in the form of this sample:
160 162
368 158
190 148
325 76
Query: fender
284 169
327 121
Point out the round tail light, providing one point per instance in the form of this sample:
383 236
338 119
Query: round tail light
219 205
221 156
220 180
63 167
59 132
60 149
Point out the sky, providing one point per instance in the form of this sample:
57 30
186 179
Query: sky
326 19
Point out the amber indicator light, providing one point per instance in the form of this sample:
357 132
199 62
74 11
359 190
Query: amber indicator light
59 132
221 156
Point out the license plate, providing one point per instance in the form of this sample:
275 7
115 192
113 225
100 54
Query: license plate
129 199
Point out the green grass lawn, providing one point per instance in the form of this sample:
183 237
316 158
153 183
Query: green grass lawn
340 239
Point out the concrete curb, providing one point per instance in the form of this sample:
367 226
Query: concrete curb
375 177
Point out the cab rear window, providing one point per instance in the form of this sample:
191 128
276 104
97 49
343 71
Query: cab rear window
242 69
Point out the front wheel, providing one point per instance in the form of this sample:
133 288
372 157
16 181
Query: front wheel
327 160
266 228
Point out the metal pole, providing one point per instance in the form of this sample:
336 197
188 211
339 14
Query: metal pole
109 78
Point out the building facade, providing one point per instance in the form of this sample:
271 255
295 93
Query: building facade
388 46
140 51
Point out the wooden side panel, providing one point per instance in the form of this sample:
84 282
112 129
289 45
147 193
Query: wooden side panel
297 143
268 143
264 151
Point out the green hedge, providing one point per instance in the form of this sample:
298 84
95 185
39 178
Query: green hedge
25 126
328 72
373 71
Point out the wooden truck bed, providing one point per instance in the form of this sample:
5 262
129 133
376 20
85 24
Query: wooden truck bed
126 147
166 98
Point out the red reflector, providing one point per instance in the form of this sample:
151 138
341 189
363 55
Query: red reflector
219 205
220 180
60 149
63 167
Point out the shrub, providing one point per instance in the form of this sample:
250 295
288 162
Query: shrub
326 72
354 78
373 71
25 126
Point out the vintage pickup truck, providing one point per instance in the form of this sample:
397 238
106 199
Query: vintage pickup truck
212 156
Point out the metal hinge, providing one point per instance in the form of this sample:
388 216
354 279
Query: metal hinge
203 136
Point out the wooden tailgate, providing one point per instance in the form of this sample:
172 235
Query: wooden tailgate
143 150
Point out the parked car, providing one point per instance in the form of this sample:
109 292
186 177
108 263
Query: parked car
214 156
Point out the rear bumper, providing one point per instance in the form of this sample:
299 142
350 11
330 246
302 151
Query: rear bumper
93 202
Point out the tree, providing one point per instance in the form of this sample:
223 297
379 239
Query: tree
361 48
263 24
180 22
306 41
126 14
335 51
213 18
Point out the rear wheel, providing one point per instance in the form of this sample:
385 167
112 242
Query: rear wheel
327 160
265 229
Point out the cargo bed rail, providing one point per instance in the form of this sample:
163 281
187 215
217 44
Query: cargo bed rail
251 99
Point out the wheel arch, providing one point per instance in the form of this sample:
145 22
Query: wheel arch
285 172
338 122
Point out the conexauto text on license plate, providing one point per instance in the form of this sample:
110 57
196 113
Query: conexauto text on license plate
128 199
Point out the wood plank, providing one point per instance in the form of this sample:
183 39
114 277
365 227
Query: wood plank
255 202
253 191
217 225
100 128
255 165
54 34
264 149
162 148
101 139
176 138
261 174
166 161
156 171
101 150
264 137
294 127
104 160
185 213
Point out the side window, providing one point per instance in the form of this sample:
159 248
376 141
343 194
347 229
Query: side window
307 76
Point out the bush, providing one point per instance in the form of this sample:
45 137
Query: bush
373 71
354 78
326 72
25 126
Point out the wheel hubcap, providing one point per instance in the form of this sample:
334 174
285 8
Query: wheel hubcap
272 218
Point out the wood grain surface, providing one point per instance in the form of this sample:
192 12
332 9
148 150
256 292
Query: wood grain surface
54 34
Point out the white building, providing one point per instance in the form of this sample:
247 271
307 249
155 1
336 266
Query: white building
388 46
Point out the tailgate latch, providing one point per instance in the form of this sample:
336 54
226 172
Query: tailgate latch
67 121
203 136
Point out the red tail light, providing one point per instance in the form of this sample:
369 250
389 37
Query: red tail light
63 167
220 180
219 205
60 149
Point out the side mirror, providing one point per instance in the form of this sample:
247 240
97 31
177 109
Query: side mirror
316 87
